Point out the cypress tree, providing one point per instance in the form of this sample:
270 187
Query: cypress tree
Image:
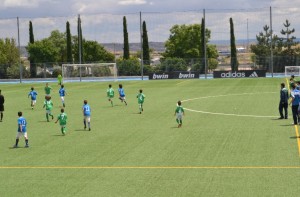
146 52
31 41
126 42
202 47
79 31
69 44
233 54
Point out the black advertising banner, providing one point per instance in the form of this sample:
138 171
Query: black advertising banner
240 74
174 75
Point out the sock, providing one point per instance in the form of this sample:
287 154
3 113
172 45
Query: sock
125 102
112 104
177 121
26 141
89 124
1 116
62 130
64 104
84 122
180 121
17 141
47 116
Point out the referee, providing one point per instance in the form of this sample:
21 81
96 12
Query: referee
283 104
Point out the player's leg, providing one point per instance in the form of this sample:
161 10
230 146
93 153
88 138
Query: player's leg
19 134
47 115
111 102
89 122
63 101
84 122
124 99
285 107
26 140
1 115
140 107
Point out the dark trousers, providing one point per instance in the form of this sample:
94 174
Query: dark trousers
295 113
283 106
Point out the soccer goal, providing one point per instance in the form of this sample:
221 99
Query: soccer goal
292 70
89 72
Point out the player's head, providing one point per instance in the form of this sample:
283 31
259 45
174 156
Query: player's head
179 103
85 102
62 110
20 113
46 84
32 88
282 85
62 86
293 76
141 91
120 86
293 86
109 85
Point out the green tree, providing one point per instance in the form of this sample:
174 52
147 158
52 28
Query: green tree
186 42
173 64
69 43
31 41
233 53
126 42
128 67
146 51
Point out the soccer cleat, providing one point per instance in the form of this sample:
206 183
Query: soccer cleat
89 129
64 105
84 128
280 118
26 146
15 146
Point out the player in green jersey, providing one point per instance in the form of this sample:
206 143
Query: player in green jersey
110 94
47 90
141 99
62 118
59 79
49 105
179 113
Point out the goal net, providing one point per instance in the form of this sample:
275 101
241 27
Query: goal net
292 70
89 72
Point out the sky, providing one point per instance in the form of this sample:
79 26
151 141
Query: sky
102 19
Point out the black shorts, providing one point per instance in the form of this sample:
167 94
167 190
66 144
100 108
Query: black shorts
1 107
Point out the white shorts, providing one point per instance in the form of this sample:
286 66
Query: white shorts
20 134
48 111
33 102
62 98
122 98
179 116
87 118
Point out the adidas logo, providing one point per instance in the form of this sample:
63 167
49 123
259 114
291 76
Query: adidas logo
254 74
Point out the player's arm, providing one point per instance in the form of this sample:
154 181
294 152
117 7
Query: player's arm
57 119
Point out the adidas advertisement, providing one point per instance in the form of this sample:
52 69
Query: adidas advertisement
240 74
174 75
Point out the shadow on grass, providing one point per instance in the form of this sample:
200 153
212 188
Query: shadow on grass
56 135
287 125
294 137
81 130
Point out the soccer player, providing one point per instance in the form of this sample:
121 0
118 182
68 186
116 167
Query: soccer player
141 98
283 104
86 109
33 95
62 93
110 94
62 118
179 113
48 90
1 106
59 79
295 94
22 123
49 105
122 94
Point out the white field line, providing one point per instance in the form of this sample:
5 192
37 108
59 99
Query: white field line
226 114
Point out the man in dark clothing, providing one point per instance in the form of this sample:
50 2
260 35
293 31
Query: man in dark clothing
1 106
283 104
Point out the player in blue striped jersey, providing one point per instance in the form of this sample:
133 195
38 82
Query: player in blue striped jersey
122 94
62 93
22 123
86 109
32 95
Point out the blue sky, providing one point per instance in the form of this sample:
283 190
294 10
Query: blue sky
102 19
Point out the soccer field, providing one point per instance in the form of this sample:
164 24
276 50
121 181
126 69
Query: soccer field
230 143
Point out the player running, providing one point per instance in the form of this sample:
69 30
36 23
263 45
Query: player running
62 118
49 105
86 109
179 112
110 94
62 93
22 123
122 94
141 98
32 95
47 90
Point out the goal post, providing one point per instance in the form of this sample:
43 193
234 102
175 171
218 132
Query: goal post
292 70
89 72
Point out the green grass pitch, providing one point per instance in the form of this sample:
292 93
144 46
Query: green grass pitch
230 144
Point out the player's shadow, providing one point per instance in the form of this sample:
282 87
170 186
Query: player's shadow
286 125
294 137
81 130
174 127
